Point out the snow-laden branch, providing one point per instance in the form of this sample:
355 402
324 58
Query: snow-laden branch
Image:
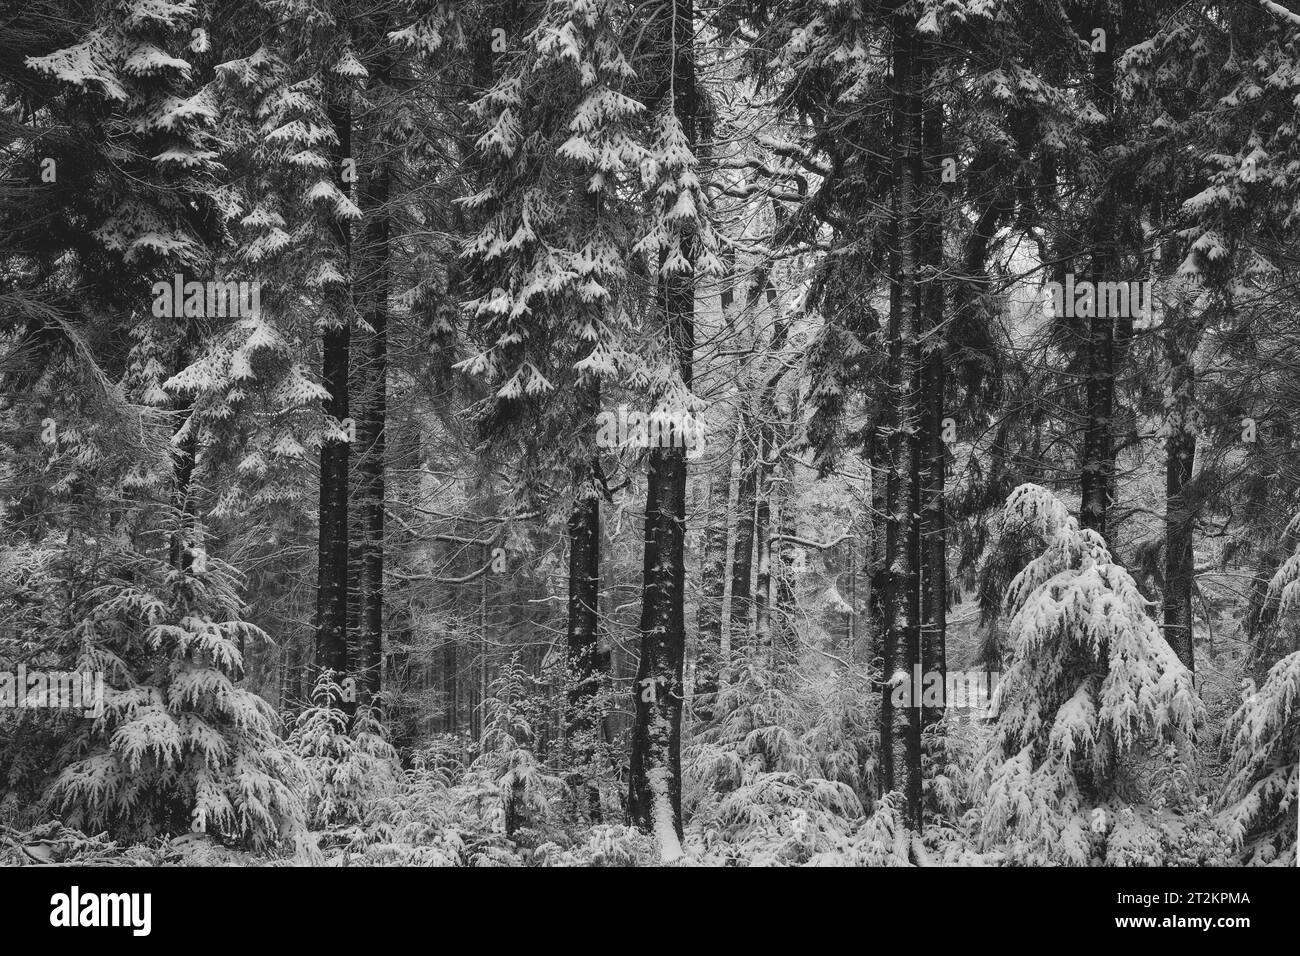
1280 11
466 579
809 543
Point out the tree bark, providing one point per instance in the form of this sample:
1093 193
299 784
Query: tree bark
931 359
655 788
372 426
742 564
332 588
1101 348
713 574
906 592
710 651
584 591
1181 335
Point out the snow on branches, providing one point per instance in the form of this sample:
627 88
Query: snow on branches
1092 687
1263 737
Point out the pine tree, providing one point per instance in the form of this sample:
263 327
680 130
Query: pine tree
550 264
179 747
681 247
1091 687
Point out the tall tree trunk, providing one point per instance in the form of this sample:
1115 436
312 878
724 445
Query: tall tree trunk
1180 341
748 450
710 653
906 592
375 197
1101 347
769 450
931 359
763 543
887 453
332 547
655 788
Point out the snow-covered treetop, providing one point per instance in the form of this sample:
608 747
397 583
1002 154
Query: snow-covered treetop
1083 644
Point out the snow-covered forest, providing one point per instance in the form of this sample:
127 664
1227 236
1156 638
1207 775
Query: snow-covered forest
612 433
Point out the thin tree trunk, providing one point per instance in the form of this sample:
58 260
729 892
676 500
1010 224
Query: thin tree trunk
742 564
887 453
727 643
1180 453
907 591
1180 341
748 448
763 545
481 710
931 359
450 694
769 448
372 427
713 579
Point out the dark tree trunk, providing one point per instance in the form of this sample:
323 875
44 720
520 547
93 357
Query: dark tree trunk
931 359
1180 456
880 602
886 584
371 429
655 788
1101 347
332 547
906 592
1098 446
584 590
656 736
1180 452
584 657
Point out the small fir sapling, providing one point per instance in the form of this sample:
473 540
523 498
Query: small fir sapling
349 764
179 747
1091 693
506 782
